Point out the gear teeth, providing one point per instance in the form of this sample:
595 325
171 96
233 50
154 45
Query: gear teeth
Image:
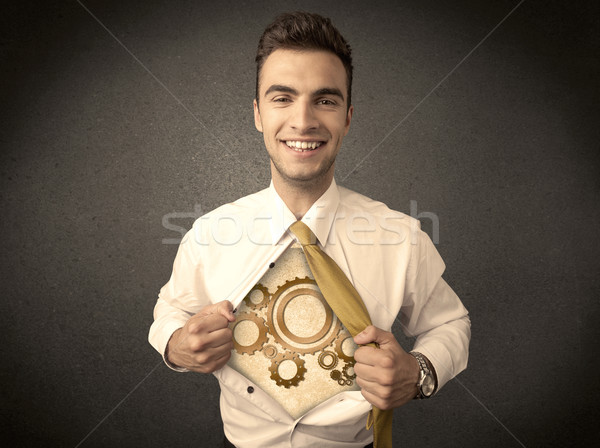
274 368
274 320
263 303
262 333
342 336
347 367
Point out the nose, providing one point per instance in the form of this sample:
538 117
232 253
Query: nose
303 117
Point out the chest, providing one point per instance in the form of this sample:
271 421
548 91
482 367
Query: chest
288 341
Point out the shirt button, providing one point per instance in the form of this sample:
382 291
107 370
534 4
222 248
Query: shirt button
272 265
250 389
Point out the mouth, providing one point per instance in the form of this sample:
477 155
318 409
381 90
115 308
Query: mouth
303 146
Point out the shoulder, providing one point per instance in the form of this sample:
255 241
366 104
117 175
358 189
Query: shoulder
247 205
231 223
353 203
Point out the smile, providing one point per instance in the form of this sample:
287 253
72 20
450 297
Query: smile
302 146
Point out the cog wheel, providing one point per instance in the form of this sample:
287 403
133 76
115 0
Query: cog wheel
336 375
283 335
276 363
328 360
344 334
270 351
263 302
262 333
345 370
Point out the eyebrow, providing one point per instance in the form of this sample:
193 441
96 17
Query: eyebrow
329 91
286 89
281 88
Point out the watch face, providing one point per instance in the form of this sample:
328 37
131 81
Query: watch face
428 386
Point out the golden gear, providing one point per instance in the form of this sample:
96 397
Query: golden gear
281 332
346 368
265 297
262 333
339 344
269 351
276 363
336 375
325 363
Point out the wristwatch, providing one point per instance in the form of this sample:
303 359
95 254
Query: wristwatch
426 384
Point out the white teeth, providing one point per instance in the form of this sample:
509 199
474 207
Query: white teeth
302 145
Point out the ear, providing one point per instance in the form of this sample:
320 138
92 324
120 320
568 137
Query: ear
348 120
257 120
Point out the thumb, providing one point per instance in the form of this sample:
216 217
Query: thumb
225 308
374 334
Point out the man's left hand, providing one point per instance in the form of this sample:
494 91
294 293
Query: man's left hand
387 375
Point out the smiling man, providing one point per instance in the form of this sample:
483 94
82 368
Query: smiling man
303 119
288 295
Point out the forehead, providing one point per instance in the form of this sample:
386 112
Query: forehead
304 70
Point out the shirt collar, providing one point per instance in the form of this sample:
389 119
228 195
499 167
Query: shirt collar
319 218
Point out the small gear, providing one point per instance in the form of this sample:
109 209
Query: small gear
328 360
336 375
339 342
262 333
270 351
345 370
276 363
263 302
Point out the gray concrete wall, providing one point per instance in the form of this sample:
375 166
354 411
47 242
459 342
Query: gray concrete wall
108 128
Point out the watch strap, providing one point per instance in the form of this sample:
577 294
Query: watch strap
424 372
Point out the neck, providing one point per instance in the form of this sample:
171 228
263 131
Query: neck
299 197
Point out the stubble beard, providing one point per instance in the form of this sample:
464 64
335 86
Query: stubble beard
306 181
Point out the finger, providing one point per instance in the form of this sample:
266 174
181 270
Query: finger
218 338
224 308
376 400
211 361
369 386
207 344
374 334
366 372
207 324
213 354
366 355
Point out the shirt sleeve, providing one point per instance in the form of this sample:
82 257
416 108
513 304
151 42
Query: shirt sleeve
178 299
433 313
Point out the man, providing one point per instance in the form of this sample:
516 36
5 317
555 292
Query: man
242 298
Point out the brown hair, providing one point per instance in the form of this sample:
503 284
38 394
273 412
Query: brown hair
303 31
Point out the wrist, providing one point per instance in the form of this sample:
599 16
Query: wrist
427 383
171 349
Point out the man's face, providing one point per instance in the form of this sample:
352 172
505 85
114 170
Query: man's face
303 114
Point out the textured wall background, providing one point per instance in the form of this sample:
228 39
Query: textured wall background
99 143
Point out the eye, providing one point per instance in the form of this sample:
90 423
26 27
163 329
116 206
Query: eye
281 99
326 102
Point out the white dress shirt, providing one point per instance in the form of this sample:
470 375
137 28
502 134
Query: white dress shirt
392 263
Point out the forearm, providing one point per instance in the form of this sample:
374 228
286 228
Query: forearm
447 348
167 321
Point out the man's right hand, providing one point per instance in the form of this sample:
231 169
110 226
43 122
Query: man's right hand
205 342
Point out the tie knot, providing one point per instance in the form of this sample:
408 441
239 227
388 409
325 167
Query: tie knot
303 233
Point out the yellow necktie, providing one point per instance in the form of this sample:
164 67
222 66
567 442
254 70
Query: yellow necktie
348 306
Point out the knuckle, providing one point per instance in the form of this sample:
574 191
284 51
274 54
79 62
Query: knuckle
387 379
197 345
386 362
202 359
193 327
386 395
